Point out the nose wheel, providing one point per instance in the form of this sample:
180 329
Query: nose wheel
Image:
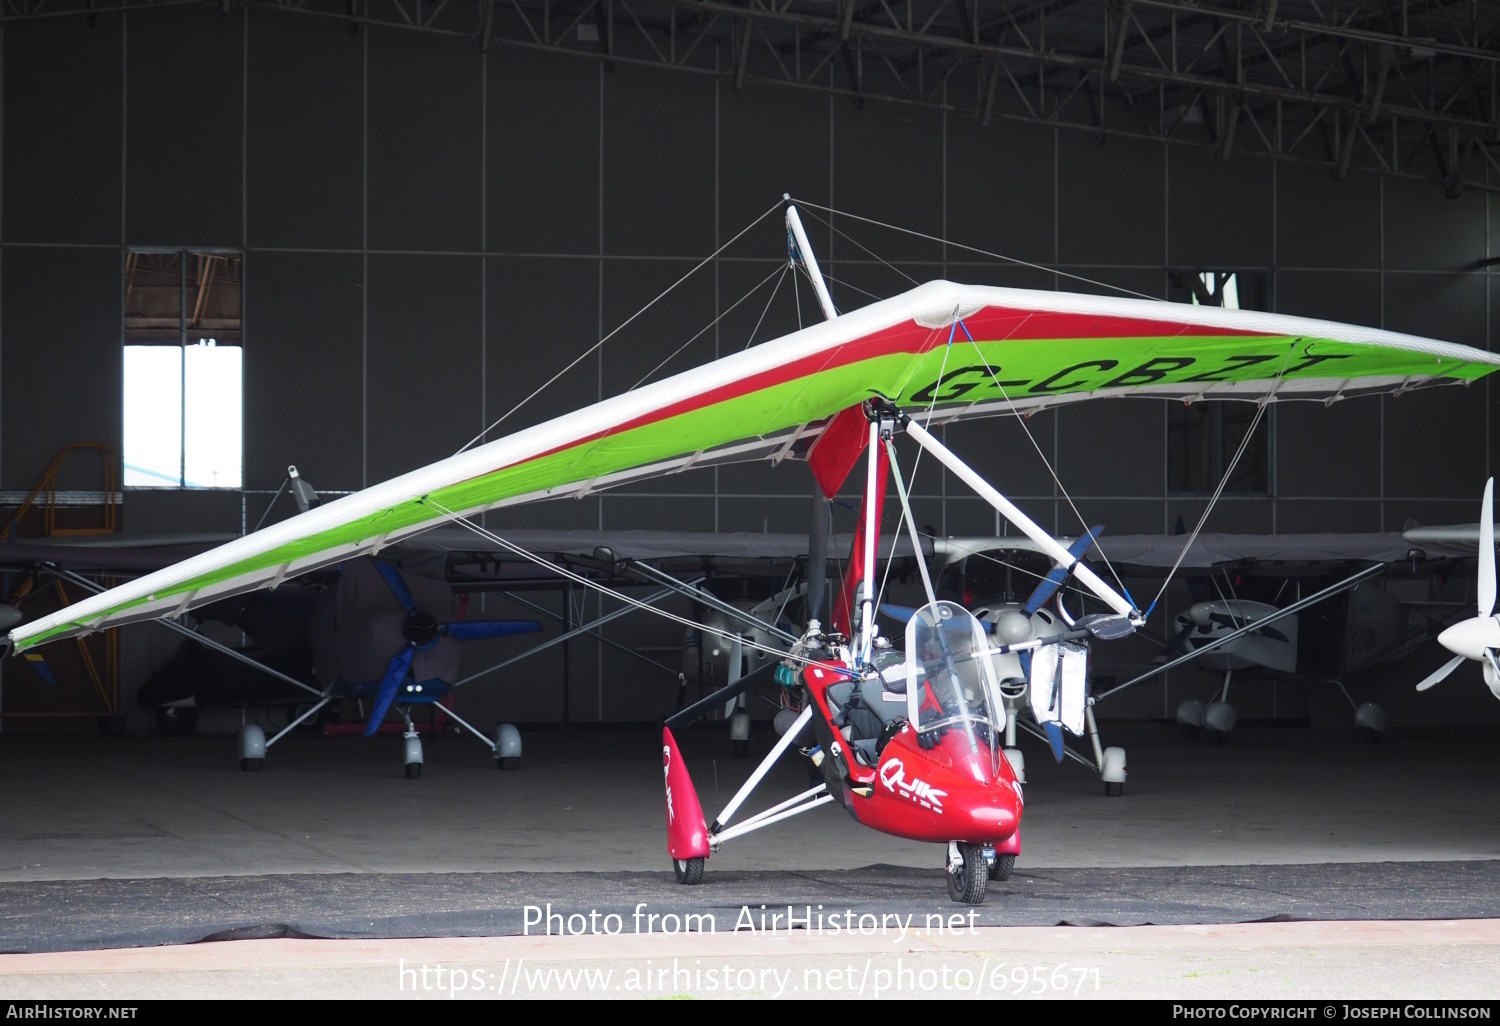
967 873
413 753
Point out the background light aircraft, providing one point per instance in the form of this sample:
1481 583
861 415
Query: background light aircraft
1235 626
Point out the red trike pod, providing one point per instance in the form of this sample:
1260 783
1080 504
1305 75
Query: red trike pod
687 832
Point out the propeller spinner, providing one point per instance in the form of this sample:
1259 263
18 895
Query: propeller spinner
1478 637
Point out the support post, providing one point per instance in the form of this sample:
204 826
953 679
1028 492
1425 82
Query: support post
809 261
817 558
1048 544
872 521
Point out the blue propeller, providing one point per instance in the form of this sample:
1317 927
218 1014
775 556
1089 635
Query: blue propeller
37 663
422 630
895 612
1048 585
1054 738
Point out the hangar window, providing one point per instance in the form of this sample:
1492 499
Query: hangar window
183 369
1203 437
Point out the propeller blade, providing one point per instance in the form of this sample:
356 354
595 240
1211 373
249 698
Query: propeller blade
1487 551
398 587
37 663
902 613
470 630
395 676
1055 739
1442 671
1178 639
1054 580
1224 620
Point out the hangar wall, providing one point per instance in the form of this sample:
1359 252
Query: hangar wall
430 233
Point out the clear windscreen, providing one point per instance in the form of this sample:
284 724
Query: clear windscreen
950 677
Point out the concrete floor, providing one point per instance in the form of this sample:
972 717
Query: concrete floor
142 806
1310 824
1325 963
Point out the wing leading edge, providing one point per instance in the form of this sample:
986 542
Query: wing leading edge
1029 349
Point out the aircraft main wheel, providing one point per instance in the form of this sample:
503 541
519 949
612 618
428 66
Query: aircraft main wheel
413 770
1188 731
1113 789
176 720
508 762
741 749
689 871
1217 737
1371 735
1003 867
251 765
968 882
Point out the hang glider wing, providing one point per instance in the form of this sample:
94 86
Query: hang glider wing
1030 349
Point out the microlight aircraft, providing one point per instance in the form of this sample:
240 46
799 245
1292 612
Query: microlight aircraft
836 393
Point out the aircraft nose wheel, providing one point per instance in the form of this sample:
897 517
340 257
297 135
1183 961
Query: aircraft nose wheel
967 873
689 871
413 756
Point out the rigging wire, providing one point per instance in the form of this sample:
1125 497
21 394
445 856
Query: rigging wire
851 285
801 203
709 326
603 589
779 281
1260 411
861 245
621 327
994 376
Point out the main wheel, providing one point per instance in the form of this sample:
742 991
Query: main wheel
741 749
689 871
508 762
968 883
1371 735
1113 789
251 765
413 770
1003 867
1189 731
